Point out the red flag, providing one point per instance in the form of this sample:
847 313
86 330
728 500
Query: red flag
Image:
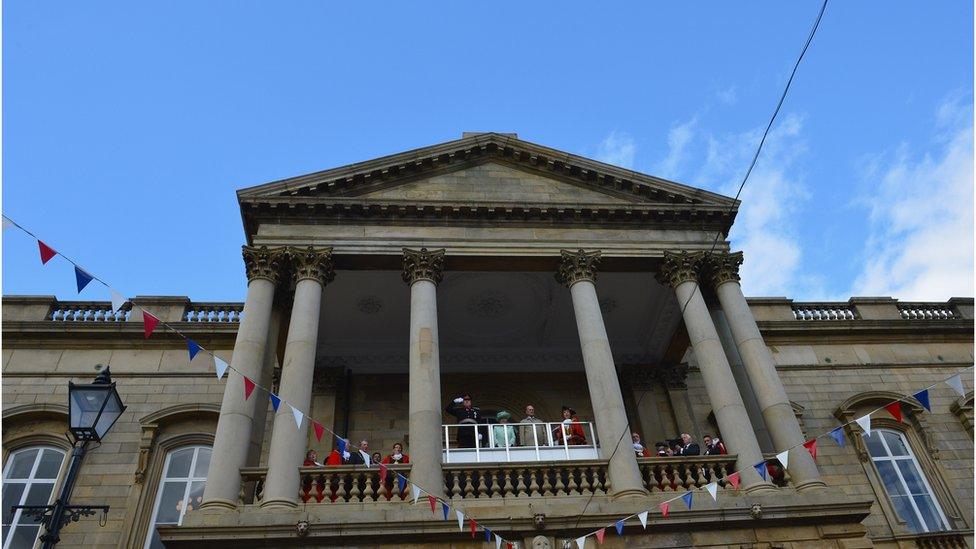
734 480
433 503
382 473
474 526
47 252
508 546
665 507
599 535
149 323
248 387
895 410
811 446
319 430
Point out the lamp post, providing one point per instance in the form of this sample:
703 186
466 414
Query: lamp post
92 410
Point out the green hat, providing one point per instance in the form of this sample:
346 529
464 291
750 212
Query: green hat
503 415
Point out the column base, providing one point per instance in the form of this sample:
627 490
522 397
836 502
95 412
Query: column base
217 503
761 488
279 503
810 485
632 493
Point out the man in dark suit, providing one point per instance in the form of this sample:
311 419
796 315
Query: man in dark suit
466 413
688 446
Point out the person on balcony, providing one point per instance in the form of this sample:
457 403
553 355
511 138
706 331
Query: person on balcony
397 456
688 446
639 447
713 446
375 458
662 449
466 413
336 458
311 459
532 435
357 457
503 433
571 430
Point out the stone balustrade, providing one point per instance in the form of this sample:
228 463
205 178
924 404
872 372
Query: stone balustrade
824 311
526 479
88 311
327 485
682 473
926 311
213 312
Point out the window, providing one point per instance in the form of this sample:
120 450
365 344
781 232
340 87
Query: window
180 489
909 491
28 479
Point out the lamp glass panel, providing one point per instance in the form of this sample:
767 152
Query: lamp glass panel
86 403
113 409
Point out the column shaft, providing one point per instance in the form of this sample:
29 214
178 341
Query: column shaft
425 389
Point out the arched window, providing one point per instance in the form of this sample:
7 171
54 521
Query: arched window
902 477
29 477
180 488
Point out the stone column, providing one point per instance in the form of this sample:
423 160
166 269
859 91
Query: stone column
577 271
233 436
680 270
783 427
312 270
422 271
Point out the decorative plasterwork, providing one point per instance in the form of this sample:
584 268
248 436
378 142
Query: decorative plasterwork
963 409
423 265
721 267
679 267
312 263
262 262
577 266
369 304
488 304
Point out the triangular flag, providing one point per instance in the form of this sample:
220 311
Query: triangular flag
784 458
82 278
643 518
865 423
581 542
446 509
382 472
956 383
811 446
498 542
401 482
433 503
734 480
365 458
275 401
665 509
47 252
838 436
895 410
712 488
341 446
149 323
460 517
192 347
687 497
600 534
319 430
474 526
923 398
298 416
118 300
487 534
220 366
248 387
619 525
7 223
416 492
761 469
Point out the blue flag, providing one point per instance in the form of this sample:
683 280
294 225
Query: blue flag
761 469
402 482
275 401
923 398
687 498
620 527
838 436
194 348
447 510
341 445
487 534
82 278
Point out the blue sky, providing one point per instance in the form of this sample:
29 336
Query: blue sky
127 126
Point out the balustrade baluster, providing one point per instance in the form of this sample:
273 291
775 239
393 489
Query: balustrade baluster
507 484
585 487
368 482
571 486
534 490
546 485
520 482
482 487
354 492
560 484
328 482
341 493
468 484
455 488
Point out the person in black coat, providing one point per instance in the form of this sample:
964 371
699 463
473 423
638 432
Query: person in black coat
464 410
688 446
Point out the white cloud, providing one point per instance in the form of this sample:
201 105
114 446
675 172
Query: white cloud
618 149
727 96
679 137
921 216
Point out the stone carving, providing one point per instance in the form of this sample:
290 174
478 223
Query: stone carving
145 450
369 304
607 305
423 265
488 304
541 542
312 263
262 262
722 267
577 266
679 267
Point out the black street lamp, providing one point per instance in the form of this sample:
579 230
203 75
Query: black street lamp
92 410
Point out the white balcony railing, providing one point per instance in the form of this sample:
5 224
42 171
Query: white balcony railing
544 444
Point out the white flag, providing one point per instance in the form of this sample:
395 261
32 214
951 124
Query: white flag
298 416
416 491
460 517
220 365
581 542
865 423
712 488
7 223
118 300
784 458
365 457
643 519
956 383
498 542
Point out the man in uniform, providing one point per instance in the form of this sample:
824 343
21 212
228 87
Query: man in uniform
465 412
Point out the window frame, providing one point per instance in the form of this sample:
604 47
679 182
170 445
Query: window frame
30 481
164 478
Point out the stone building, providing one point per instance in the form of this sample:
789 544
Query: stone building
380 291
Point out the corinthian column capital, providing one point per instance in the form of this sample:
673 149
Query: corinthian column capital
576 266
423 265
262 262
679 267
312 263
722 267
